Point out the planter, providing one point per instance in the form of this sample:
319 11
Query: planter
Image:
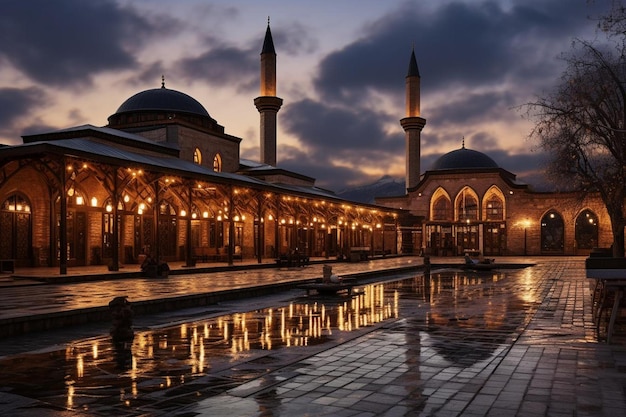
605 268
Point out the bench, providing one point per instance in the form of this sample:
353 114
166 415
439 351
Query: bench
610 279
215 254
201 254
7 266
292 260
359 253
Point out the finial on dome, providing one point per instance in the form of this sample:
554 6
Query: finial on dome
463 143
162 81
268 20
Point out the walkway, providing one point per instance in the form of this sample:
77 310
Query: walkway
519 346
551 365
26 297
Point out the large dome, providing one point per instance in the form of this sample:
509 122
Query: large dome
463 159
162 99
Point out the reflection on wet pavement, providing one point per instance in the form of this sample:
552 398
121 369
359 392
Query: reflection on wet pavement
408 345
206 357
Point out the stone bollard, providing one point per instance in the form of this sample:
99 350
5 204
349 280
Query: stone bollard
427 264
327 272
122 320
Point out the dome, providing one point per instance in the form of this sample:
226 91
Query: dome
464 159
162 99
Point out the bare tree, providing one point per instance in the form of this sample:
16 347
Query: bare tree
581 124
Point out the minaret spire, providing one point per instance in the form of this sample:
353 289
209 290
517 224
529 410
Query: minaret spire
267 103
412 123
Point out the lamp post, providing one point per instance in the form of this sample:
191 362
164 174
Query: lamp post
526 223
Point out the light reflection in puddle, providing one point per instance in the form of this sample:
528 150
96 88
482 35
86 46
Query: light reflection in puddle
168 358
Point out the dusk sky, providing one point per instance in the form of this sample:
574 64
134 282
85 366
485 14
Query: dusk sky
341 72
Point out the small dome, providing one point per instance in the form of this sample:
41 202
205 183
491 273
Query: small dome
162 99
464 159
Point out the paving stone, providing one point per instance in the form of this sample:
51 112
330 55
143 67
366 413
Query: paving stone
522 345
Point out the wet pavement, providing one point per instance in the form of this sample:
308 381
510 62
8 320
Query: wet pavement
510 342
18 295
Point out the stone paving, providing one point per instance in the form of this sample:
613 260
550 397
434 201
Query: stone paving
522 345
550 366
18 296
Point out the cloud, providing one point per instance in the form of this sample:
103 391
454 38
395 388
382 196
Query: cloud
473 107
223 65
294 39
317 166
479 43
338 144
15 103
65 42
477 60
149 74
321 126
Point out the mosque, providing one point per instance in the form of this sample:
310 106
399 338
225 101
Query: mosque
467 203
164 179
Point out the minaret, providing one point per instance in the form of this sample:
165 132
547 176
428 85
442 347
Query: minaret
412 124
267 103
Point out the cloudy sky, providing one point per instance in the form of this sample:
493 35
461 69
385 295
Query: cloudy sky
341 70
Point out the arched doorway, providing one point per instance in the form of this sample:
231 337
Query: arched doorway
15 230
168 231
586 231
552 233
439 240
494 226
467 227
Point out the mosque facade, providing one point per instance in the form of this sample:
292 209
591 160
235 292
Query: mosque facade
164 179
466 203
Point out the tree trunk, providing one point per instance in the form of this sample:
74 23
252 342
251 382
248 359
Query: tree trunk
618 240
617 225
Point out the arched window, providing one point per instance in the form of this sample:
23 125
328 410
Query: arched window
15 223
217 163
197 156
16 203
586 230
440 205
442 209
168 230
552 232
494 208
466 205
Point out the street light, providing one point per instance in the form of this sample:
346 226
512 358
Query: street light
526 224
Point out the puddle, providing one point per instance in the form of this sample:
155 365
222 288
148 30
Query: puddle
207 357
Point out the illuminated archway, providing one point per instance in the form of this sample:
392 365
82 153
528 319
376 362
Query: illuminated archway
494 205
552 232
466 205
197 156
217 163
586 230
440 206
16 226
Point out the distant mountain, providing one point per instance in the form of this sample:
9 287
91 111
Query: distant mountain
384 187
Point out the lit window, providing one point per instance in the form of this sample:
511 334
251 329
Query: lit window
197 156
16 203
217 163
467 207
442 209
495 208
